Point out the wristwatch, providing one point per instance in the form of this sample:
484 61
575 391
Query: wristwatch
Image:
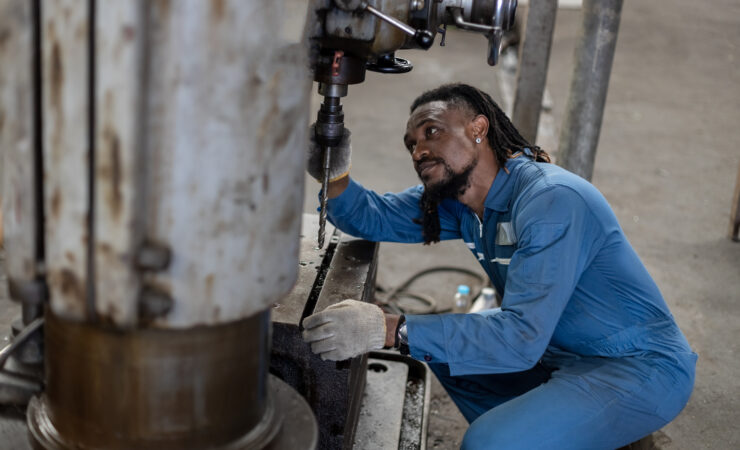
402 336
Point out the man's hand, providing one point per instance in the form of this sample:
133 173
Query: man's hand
340 157
345 330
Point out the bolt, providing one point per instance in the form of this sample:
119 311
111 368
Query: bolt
153 257
154 303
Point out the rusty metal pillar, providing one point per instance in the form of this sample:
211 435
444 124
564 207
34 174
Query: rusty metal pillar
157 156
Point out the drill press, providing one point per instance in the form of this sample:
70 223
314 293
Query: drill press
349 37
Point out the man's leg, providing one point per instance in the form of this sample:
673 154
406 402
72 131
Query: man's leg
593 403
476 394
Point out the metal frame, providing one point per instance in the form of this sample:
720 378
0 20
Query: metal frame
534 58
594 54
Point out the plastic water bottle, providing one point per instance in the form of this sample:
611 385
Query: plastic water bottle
486 300
462 299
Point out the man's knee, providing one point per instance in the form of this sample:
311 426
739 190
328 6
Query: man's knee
482 435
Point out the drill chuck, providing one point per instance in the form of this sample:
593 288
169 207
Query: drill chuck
330 122
330 119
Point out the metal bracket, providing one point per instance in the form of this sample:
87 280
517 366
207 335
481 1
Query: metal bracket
34 292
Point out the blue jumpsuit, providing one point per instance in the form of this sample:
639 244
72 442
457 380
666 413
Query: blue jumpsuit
583 352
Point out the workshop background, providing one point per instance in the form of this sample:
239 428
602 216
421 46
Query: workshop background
667 162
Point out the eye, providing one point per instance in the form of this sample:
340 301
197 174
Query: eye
431 131
410 145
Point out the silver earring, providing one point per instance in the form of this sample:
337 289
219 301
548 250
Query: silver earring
477 140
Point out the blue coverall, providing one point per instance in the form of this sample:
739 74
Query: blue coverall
583 352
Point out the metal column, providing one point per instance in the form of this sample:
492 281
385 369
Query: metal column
534 57
151 183
593 63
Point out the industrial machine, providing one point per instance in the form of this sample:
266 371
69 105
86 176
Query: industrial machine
152 214
348 37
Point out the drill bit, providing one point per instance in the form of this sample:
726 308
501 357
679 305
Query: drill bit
324 196
329 132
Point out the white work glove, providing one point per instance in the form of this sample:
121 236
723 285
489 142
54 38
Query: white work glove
345 330
339 161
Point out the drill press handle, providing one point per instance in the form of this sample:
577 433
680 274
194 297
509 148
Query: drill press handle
423 38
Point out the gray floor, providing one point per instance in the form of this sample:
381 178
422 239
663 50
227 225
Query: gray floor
667 162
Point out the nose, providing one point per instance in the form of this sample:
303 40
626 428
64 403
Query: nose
420 152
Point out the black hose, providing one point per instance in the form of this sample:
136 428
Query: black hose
391 300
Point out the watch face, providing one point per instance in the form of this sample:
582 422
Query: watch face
403 334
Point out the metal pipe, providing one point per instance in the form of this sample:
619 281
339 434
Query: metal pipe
21 338
532 72
406 28
593 62
460 22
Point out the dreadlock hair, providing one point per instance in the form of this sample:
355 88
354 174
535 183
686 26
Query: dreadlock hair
504 139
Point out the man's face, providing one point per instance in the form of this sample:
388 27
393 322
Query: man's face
441 142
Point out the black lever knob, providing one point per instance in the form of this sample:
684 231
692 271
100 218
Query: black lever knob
424 38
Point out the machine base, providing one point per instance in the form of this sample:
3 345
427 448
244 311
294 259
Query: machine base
286 409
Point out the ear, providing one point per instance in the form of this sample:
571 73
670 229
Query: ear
480 125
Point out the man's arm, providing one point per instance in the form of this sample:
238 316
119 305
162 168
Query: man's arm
558 236
363 213
337 187
391 323
391 217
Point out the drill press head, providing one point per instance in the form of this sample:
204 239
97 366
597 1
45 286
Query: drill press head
371 30
348 37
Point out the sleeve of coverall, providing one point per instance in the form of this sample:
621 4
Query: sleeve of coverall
558 237
389 217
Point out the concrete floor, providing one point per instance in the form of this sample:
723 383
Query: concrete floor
667 162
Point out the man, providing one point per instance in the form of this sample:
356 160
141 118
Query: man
583 352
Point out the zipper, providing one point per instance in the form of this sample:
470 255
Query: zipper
492 269
480 225
481 255
483 242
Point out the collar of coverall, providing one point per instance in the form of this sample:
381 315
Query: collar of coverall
499 195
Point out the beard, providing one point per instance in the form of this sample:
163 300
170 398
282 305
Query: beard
452 184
